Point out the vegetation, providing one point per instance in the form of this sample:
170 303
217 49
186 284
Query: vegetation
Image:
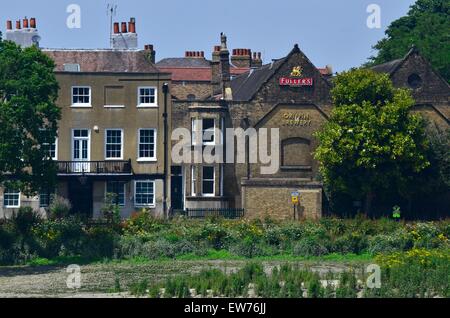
372 144
417 273
426 25
26 238
28 118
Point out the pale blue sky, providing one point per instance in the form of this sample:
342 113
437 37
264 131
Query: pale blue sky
328 31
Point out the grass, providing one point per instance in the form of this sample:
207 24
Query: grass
212 255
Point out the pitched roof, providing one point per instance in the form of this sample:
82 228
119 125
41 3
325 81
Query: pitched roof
177 62
387 67
199 74
246 85
105 60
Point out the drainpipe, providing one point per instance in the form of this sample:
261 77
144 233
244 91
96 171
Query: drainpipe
166 152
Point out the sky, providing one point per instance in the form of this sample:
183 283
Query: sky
329 32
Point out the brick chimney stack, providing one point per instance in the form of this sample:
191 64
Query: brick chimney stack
126 38
25 36
256 60
194 54
242 58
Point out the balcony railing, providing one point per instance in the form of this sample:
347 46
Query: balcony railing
94 167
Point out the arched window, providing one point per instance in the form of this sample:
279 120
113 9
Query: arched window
191 97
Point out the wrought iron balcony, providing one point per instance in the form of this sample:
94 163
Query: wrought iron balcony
94 167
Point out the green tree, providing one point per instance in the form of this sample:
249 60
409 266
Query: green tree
372 143
28 118
427 25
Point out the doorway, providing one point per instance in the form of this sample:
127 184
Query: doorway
176 189
80 196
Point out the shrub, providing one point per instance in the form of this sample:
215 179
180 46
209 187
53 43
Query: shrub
309 246
110 209
248 247
129 246
350 243
59 207
100 242
388 243
143 223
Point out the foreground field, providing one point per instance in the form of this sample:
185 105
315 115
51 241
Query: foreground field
114 279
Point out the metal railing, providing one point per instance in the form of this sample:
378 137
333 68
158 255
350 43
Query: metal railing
95 167
226 213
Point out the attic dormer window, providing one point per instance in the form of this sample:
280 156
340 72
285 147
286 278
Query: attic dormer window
414 81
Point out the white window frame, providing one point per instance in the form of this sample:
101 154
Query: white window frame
12 193
155 146
55 157
121 144
213 180
49 199
124 191
196 130
154 104
150 205
194 181
213 142
81 104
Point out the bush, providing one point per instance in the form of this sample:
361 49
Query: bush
388 243
350 243
100 242
309 246
59 207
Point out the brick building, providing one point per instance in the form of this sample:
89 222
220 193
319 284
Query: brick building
293 95
115 115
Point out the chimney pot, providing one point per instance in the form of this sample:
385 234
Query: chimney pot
33 23
18 25
150 47
9 25
202 53
25 23
259 55
124 27
132 27
234 51
116 28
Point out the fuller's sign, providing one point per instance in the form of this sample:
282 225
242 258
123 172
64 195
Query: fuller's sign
296 78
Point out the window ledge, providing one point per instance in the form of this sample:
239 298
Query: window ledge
146 160
114 106
145 206
147 106
80 106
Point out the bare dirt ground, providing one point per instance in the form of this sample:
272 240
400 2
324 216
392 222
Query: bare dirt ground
98 280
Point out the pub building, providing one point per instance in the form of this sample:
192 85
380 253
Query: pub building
293 95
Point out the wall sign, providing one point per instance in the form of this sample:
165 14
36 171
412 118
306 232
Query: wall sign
296 78
296 120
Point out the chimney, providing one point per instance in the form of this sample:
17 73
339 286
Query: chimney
127 38
242 58
256 60
132 25
196 54
116 28
150 53
225 77
24 37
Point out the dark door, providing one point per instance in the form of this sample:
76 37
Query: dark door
80 196
176 191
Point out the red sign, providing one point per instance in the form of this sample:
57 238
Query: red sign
289 81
